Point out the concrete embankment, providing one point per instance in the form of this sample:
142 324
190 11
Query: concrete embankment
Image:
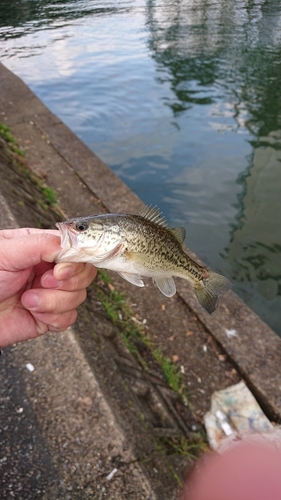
89 407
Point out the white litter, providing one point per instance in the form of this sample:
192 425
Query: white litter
231 333
235 415
30 367
111 474
222 419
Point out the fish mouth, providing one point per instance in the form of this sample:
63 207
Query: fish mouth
68 239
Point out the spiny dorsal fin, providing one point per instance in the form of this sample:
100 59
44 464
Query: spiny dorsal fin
153 214
179 233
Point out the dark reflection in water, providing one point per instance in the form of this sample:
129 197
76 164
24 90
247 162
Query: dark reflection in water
228 51
182 99
205 47
32 14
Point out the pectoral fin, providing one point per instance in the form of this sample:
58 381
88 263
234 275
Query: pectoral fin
166 286
135 279
138 257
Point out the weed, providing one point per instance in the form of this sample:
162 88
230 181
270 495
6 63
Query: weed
135 338
175 476
141 346
172 373
122 316
7 136
49 194
111 309
191 449
132 348
42 204
141 417
104 276
161 448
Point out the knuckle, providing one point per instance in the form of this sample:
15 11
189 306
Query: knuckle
81 296
63 321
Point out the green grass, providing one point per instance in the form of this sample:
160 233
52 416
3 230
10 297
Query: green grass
122 316
173 375
8 137
48 193
182 446
104 276
178 480
110 309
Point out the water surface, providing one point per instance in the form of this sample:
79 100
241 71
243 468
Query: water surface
182 99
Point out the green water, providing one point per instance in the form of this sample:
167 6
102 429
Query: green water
182 99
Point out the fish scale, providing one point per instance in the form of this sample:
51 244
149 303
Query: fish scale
138 246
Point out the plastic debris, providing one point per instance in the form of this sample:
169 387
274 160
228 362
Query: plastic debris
30 367
111 474
231 333
235 415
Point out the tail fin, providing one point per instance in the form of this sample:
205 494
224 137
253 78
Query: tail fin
209 292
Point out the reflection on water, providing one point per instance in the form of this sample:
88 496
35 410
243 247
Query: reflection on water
255 244
182 98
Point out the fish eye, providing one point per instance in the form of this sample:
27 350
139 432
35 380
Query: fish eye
82 226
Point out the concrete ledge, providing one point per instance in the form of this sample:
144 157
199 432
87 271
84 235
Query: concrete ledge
254 348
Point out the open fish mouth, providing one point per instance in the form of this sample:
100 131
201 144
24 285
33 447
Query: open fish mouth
68 242
68 239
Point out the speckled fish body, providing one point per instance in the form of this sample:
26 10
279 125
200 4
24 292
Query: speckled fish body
138 246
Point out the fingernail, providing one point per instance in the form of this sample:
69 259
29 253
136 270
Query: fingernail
31 300
64 272
49 281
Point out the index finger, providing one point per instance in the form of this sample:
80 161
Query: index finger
26 251
8 234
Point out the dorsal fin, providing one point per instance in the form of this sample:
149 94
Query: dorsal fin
179 233
153 214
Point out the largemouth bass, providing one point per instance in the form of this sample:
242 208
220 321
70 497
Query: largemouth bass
138 246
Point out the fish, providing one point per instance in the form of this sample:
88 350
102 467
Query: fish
137 247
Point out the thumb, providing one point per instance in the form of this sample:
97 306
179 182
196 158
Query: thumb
27 251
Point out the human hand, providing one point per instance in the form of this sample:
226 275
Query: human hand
37 295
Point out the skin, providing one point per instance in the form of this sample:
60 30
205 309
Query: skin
37 295
244 472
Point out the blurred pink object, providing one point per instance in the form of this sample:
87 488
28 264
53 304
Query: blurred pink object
243 472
